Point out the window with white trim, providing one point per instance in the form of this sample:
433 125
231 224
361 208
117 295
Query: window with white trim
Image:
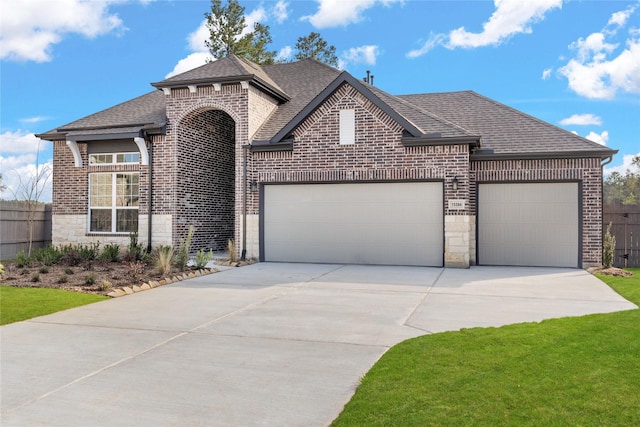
114 158
113 202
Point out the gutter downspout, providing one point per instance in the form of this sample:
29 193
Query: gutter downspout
244 203
150 200
603 163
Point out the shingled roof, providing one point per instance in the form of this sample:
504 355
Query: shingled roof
502 130
505 130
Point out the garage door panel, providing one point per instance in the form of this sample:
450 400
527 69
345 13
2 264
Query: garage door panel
377 223
532 224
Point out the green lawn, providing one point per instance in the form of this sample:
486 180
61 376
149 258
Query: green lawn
18 304
581 371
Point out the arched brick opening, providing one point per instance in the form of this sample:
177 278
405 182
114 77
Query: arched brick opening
206 179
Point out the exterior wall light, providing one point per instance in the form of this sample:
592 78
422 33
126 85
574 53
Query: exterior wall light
455 183
253 186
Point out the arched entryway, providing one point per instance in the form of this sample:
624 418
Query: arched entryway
206 179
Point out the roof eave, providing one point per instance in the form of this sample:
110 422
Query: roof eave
601 154
427 140
251 78
61 133
268 146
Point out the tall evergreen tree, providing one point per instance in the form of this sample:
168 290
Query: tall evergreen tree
315 47
226 24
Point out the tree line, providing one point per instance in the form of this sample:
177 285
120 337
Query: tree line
226 23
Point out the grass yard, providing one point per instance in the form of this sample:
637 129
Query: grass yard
581 371
18 304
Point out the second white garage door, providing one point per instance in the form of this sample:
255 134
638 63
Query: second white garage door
528 224
375 223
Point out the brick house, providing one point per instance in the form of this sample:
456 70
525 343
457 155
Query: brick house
301 162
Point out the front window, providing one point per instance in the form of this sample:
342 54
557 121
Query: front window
113 158
113 202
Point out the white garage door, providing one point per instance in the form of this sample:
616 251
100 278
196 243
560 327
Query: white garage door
528 224
377 223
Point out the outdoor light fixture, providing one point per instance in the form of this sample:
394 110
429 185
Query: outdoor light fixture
455 183
253 186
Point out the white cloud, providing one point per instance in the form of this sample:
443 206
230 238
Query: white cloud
193 60
364 54
600 68
626 165
280 12
600 138
546 73
34 119
18 156
29 29
582 120
285 53
197 38
511 17
336 13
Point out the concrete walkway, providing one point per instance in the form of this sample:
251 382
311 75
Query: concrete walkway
268 344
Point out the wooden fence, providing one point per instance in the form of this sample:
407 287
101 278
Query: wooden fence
625 225
14 228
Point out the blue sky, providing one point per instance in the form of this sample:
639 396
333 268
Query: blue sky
575 64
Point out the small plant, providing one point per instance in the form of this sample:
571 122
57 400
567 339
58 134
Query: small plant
1 269
24 271
609 248
69 271
135 251
22 260
35 277
90 279
43 270
163 258
62 279
70 255
231 248
47 256
203 257
105 285
110 252
89 252
182 257
135 270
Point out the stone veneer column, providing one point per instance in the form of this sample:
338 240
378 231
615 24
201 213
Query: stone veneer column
457 238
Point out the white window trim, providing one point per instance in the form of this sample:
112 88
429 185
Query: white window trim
113 206
114 156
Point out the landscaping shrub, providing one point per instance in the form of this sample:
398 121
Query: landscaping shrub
608 249
89 252
35 277
62 279
203 257
110 252
182 257
47 256
163 258
135 251
22 260
90 279
70 255
231 248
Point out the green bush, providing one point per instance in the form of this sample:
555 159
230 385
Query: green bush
47 256
203 257
89 252
182 257
62 279
135 252
22 260
110 252
609 247
35 277
90 279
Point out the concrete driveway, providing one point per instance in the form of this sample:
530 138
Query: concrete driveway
267 344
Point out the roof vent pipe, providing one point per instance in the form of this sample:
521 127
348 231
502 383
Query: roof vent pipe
369 78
